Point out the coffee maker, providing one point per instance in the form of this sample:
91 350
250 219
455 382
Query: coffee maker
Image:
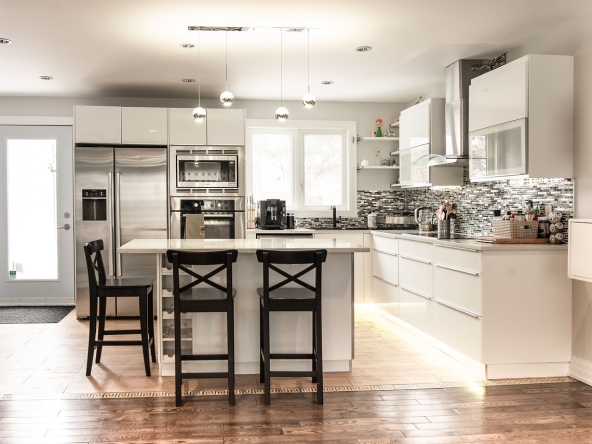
272 214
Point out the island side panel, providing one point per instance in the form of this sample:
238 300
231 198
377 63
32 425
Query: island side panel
291 332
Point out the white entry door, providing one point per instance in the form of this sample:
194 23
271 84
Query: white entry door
36 226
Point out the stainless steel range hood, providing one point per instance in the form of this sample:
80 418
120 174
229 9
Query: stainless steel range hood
458 79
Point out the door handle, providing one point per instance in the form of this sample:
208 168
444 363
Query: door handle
117 225
65 227
110 270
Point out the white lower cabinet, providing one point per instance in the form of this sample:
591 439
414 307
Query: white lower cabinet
459 330
416 309
385 296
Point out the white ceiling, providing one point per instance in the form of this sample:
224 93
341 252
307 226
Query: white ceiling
115 48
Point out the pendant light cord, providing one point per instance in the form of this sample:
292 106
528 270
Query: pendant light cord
281 66
308 56
198 72
226 34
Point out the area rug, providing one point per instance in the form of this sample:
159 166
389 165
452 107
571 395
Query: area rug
34 315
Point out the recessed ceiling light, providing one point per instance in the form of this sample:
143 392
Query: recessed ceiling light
294 29
4 41
46 77
364 48
188 80
327 82
187 45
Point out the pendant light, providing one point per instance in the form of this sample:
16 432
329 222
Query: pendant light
308 100
281 113
226 97
199 114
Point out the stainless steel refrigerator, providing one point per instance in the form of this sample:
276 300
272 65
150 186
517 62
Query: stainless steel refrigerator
121 194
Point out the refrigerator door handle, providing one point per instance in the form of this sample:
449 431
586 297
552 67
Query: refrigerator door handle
110 221
117 225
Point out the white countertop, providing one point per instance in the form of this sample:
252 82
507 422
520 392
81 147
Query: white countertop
242 245
471 243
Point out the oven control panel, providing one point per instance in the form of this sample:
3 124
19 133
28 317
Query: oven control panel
207 205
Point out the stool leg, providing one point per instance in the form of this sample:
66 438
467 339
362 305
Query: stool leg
261 332
178 368
266 352
144 328
101 335
151 324
314 346
230 332
92 331
319 356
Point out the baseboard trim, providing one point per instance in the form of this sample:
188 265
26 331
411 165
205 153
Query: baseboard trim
534 370
580 369
463 359
26 302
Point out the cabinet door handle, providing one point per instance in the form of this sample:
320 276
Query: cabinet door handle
385 280
462 310
385 252
456 248
416 292
423 261
460 270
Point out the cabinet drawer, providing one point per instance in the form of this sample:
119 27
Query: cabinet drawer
459 289
416 250
416 276
385 296
459 257
386 244
459 331
416 310
385 266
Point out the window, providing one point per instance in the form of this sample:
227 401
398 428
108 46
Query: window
310 165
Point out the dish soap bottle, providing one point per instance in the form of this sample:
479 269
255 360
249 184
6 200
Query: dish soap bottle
378 130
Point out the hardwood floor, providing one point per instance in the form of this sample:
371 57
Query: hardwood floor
46 398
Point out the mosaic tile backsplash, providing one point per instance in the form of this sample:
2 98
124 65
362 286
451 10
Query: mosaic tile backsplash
475 202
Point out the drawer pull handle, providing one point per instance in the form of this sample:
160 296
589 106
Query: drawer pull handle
387 281
460 270
423 261
385 252
462 310
416 292
456 248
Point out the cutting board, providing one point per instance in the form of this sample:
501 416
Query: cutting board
502 240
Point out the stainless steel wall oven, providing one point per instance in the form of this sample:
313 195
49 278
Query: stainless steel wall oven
224 218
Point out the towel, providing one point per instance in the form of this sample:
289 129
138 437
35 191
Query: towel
194 226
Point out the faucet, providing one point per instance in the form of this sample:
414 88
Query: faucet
334 208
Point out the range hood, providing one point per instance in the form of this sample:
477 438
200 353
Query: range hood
458 79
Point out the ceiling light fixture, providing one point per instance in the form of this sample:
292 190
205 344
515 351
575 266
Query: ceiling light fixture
188 80
327 82
199 114
226 97
308 100
364 48
186 45
46 77
281 113
4 41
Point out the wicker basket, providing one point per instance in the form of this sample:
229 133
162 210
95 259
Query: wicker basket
511 229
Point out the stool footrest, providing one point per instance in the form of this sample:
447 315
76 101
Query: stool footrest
204 357
122 332
204 375
118 343
291 374
291 356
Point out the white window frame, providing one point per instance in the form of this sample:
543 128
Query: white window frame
300 128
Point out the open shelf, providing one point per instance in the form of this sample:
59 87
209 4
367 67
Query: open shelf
378 139
378 168
395 153
394 125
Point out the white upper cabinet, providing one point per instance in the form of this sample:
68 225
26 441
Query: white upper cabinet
416 122
521 120
225 127
183 129
146 126
97 124
500 96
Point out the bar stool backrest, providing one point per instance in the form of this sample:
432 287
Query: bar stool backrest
299 257
94 265
181 260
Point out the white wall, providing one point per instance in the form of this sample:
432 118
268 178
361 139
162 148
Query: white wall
364 113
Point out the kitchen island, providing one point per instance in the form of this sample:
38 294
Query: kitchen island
291 331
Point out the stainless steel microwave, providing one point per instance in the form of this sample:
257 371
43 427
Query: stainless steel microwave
210 170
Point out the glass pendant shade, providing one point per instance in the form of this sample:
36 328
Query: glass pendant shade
309 100
199 114
226 98
282 114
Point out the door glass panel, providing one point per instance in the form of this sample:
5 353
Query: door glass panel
272 167
323 159
198 170
420 171
499 150
32 208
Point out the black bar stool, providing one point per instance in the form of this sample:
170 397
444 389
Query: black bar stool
104 288
275 298
188 299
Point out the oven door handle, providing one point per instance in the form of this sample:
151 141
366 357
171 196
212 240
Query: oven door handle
210 216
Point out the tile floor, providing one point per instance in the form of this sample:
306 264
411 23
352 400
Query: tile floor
49 359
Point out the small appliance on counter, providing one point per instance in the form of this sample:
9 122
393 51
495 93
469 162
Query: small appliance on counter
272 214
